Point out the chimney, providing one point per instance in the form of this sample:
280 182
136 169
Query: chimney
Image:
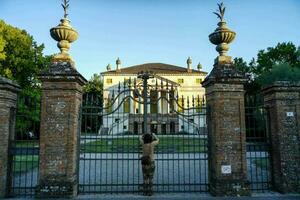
118 63
108 67
189 64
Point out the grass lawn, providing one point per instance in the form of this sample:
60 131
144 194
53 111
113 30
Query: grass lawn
261 162
130 145
26 143
24 163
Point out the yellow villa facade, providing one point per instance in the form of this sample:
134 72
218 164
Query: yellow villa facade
169 82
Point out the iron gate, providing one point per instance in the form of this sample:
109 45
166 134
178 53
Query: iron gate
259 156
109 146
24 148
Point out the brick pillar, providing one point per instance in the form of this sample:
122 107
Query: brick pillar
8 104
226 126
283 102
59 136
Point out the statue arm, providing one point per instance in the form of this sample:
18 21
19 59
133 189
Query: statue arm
141 139
156 139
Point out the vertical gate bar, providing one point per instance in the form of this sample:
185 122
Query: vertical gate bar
104 141
199 148
124 138
172 138
188 139
194 143
145 103
178 146
269 139
95 109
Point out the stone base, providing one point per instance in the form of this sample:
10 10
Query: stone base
222 60
230 188
56 189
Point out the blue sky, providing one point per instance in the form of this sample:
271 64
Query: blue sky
168 31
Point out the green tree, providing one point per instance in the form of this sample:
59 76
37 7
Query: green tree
94 85
279 72
275 63
241 65
21 58
93 98
279 63
282 53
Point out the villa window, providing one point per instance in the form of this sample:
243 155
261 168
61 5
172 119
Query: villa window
180 80
198 81
109 81
126 106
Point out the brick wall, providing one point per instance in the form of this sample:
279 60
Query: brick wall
282 100
8 104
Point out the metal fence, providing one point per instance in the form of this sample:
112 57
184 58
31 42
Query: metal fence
110 150
24 148
258 145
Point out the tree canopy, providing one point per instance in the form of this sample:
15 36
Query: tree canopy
94 85
21 58
280 72
279 63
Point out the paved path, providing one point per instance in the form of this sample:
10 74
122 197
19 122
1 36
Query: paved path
122 172
187 196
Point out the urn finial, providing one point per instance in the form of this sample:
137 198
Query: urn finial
108 67
199 66
189 63
64 34
222 36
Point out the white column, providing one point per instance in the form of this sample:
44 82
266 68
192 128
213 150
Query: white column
120 108
168 102
114 103
141 108
148 105
131 102
159 102
175 100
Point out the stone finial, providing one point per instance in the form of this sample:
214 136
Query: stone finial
222 36
64 34
108 67
118 63
199 66
65 6
189 63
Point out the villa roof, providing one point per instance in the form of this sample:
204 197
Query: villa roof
157 68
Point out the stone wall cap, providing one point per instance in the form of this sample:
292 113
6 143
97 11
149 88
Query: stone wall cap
8 84
62 71
282 85
225 74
